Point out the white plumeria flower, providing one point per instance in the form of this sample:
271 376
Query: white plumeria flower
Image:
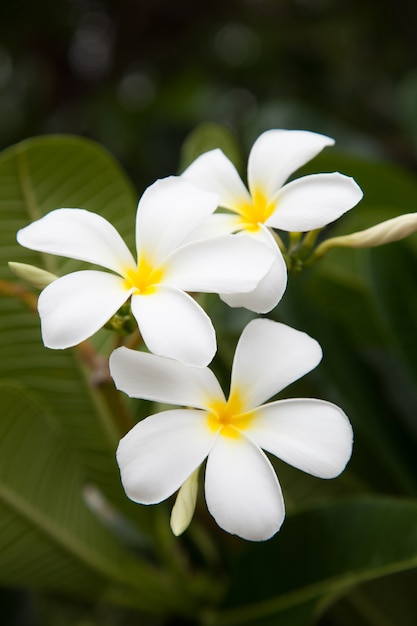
304 204
163 451
172 324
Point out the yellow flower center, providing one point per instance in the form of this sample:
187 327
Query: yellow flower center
228 416
257 211
144 279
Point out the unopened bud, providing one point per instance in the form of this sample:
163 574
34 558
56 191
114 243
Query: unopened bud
386 232
184 507
32 275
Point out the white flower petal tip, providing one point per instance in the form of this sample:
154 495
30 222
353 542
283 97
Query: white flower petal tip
159 379
312 435
185 334
314 201
213 171
77 234
281 353
242 491
268 292
220 264
278 153
161 453
168 212
74 307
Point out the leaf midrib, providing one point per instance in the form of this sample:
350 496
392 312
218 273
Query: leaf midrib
291 599
59 536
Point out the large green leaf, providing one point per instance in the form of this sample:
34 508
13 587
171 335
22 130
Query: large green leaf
49 539
68 386
351 375
37 176
209 136
319 554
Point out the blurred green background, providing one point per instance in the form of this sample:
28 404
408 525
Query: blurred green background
138 75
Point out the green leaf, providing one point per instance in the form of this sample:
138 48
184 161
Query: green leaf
36 176
49 539
320 553
72 387
45 173
209 136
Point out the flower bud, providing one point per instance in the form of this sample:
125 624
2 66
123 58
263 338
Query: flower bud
184 507
386 232
32 275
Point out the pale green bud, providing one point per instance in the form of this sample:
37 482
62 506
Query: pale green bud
184 507
386 232
32 275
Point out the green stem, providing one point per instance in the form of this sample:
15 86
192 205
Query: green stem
323 248
295 238
308 242
278 240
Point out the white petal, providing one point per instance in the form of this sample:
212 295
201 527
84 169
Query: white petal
227 263
213 171
158 455
151 377
269 356
215 225
78 234
168 212
271 287
314 201
242 490
313 435
174 325
276 154
266 294
77 305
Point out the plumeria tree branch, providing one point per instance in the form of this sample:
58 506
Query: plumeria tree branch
96 364
8 288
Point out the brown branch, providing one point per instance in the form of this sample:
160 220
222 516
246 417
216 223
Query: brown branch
13 290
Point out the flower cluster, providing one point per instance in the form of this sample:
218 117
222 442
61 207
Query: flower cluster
186 245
